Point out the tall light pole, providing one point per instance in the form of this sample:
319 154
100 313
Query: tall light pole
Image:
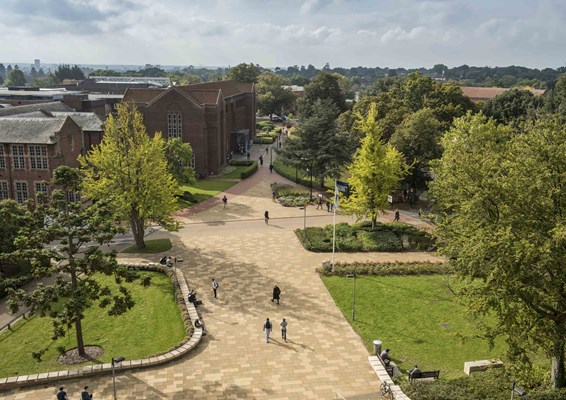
114 362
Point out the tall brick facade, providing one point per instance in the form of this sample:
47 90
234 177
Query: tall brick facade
216 118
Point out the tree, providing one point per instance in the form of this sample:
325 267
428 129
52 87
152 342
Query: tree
272 96
65 71
16 78
512 106
179 156
130 169
324 86
317 146
13 217
500 195
418 138
48 80
375 172
244 73
73 262
3 71
104 72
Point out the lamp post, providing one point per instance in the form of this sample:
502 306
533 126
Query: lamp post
353 295
114 362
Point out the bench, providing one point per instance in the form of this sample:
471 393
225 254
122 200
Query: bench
424 375
389 369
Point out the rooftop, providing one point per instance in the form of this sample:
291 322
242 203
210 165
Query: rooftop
30 130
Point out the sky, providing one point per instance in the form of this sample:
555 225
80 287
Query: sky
343 33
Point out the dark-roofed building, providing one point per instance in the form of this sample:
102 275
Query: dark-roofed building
487 93
216 118
31 148
49 106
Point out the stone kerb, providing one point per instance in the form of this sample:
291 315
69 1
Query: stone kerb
79 372
384 377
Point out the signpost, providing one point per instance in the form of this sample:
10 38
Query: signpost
339 187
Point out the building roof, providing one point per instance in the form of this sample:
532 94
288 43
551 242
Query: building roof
137 95
30 130
86 120
486 93
202 96
50 106
229 88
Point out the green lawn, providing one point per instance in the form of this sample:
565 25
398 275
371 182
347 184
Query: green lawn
205 189
151 247
234 174
152 326
417 317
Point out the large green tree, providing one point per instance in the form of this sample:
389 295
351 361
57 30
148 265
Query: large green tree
79 230
418 138
244 73
16 78
130 169
271 94
376 170
500 195
65 71
317 148
514 105
179 156
324 86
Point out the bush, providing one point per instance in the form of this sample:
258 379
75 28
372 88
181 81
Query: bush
264 140
241 163
249 171
261 125
387 268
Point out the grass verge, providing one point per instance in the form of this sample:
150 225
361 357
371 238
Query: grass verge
417 317
201 191
151 247
152 326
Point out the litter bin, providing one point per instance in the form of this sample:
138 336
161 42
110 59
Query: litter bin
377 347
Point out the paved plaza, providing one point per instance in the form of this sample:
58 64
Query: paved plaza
323 355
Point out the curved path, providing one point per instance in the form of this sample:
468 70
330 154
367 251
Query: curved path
322 356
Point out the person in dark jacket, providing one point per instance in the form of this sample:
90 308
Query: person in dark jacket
276 293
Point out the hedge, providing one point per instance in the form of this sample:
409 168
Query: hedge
264 140
377 268
249 171
241 163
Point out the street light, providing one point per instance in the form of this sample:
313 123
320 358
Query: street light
353 295
114 362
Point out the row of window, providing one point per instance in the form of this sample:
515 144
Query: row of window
174 125
22 194
37 156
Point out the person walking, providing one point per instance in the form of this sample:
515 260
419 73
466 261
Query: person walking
85 395
270 168
261 161
266 217
276 294
215 286
284 330
225 200
397 215
61 394
267 329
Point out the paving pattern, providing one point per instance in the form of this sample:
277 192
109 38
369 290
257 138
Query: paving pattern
322 356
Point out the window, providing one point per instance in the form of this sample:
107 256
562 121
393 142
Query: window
40 187
74 197
38 157
2 159
18 156
21 191
174 125
4 192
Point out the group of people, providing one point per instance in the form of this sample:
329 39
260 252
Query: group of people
384 355
167 261
268 326
321 201
62 394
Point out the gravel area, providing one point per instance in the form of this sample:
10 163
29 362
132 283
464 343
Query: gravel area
72 356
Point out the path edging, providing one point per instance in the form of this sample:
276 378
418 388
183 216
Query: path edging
90 370
384 377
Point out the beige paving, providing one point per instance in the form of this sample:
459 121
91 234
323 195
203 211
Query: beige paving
323 355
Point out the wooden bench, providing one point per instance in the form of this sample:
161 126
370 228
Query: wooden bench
424 375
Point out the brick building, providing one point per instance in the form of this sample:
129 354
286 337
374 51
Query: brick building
216 118
31 149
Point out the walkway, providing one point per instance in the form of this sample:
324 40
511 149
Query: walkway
323 354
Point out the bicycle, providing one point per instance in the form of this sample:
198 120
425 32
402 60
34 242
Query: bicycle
386 391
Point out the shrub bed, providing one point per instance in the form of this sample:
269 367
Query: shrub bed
264 140
265 124
290 196
241 163
360 237
249 171
385 268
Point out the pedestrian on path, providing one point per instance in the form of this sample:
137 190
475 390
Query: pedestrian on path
61 394
319 204
225 200
261 161
266 216
397 215
276 294
284 330
215 286
266 149
85 395
270 168
267 329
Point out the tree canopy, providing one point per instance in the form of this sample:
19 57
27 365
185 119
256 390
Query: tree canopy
271 95
514 105
16 78
500 195
375 171
130 169
324 86
244 73
179 156
65 71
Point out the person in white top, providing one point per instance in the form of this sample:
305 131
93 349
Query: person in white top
214 287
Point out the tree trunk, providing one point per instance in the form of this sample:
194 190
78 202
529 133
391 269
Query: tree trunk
138 229
79 334
557 373
373 222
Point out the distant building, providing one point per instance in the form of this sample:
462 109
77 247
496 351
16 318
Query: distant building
31 149
487 93
216 118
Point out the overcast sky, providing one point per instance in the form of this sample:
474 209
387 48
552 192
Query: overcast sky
384 33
